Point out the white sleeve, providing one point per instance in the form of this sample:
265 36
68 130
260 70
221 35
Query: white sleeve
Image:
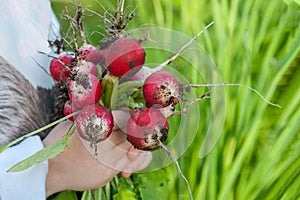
26 28
25 185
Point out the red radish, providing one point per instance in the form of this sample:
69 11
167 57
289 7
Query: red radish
161 88
89 53
84 90
86 67
94 123
125 57
147 129
60 67
68 109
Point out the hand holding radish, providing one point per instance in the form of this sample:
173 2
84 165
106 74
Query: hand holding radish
77 169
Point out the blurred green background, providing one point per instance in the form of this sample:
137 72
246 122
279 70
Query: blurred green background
253 42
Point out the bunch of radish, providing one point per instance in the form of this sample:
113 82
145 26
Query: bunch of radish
87 79
86 76
147 126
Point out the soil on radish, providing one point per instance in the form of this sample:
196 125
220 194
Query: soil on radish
83 81
94 123
94 128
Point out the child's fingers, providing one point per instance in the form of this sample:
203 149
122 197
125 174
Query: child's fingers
142 161
120 119
126 174
118 154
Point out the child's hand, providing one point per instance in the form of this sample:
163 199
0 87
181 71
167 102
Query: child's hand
77 168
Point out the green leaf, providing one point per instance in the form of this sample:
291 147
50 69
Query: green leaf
153 181
131 95
65 195
128 86
44 154
125 191
135 104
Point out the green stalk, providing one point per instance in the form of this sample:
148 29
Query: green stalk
282 184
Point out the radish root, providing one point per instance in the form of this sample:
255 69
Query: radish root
178 168
179 52
233 85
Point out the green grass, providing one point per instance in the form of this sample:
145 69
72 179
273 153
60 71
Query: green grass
252 42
